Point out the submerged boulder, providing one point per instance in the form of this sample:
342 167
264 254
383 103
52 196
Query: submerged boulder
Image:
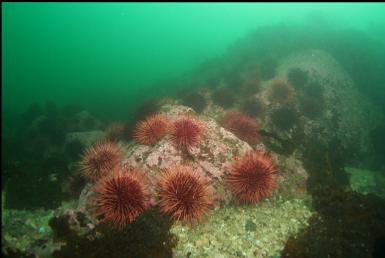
346 114
211 157
85 138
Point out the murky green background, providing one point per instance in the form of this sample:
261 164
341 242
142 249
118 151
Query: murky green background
110 56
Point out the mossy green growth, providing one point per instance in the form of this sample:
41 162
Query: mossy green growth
27 232
367 181
3 214
250 225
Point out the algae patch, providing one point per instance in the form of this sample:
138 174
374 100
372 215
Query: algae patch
366 181
244 231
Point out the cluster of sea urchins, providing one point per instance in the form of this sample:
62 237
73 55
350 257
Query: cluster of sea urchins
182 191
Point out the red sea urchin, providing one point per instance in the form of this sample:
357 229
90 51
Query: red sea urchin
100 159
243 126
184 194
251 177
186 133
121 197
152 129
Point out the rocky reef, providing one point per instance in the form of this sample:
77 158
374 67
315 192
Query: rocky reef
302 113
211 157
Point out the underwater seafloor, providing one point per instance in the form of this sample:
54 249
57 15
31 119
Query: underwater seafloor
301 105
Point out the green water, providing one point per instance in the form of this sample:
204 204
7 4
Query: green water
306 82
109 57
